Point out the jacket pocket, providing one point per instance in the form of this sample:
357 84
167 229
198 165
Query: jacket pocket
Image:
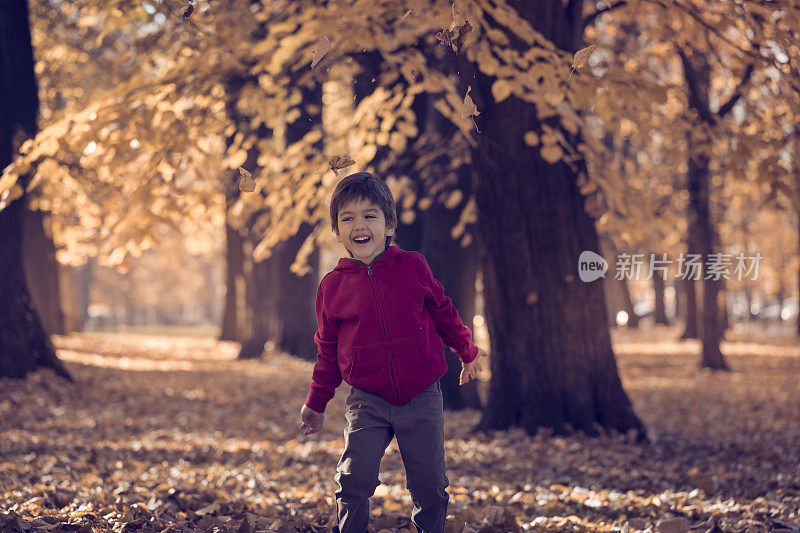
411 363
370 368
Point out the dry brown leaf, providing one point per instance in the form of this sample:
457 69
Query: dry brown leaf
339 162
323 47
246 181
469 109
455 35
581 57
173 425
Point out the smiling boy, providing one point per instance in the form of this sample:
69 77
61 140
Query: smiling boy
382 317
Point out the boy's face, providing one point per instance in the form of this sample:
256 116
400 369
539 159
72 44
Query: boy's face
362 229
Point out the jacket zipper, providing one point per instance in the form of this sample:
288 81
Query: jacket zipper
385 332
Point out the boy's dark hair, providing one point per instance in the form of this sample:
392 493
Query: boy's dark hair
363 186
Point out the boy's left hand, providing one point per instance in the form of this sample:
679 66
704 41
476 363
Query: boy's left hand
470 370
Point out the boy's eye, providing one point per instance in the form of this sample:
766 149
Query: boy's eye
347 219
371 216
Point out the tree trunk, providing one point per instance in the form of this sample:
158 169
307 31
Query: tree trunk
552 361
295 312
691 321
41 272
24 344
701 226
724 322
283 304
246 296
261 322
660 313
234 279
296 296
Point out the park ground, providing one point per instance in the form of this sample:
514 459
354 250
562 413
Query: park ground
175 434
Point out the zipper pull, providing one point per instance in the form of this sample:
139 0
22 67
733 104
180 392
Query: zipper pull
369 270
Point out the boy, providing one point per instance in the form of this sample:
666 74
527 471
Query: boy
382 317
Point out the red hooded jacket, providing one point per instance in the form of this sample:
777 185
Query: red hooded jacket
381 327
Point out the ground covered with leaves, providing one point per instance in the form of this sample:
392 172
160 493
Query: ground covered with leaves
174 434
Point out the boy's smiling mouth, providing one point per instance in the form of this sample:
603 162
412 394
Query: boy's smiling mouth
362 239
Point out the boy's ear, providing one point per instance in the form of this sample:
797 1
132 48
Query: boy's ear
338 237
389 231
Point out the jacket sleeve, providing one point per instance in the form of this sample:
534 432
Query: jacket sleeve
326 376
445 317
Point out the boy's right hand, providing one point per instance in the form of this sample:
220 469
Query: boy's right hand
312 420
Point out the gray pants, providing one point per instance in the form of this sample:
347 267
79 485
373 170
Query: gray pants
371 424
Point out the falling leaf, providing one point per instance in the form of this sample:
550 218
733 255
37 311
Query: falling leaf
581 57
246 181
188 12
409 12
469 109
445 37
340 162
323 47
461 34
456 34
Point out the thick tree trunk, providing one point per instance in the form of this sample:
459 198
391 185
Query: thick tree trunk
234 281
247 298
552 361
283 303
24 344
295 313
660 313
41 272
260 323
296 296
279 303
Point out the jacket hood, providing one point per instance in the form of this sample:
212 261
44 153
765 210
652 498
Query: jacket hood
347 265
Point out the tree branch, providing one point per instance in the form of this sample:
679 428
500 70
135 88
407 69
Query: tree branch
695 98
737 93
609 7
